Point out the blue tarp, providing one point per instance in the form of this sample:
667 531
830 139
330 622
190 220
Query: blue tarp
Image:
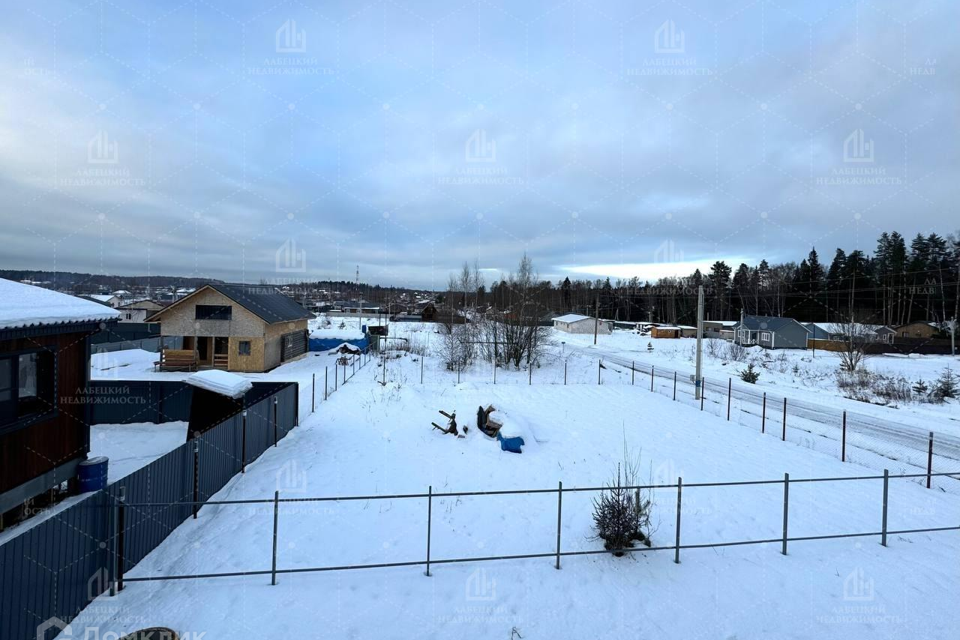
326 344
510 444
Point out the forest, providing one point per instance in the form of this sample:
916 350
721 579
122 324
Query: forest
898 283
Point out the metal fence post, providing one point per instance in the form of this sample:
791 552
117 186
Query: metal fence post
929 459
674 386
599 367
276 422
564 373
421 369
429 521
652 369
559 515
886 487
276 519
633 372
676 553
703 391
786 510
243 442
196 477
121 537
313 393
529 373
784 419
729 396
326 381
843 439
763 419
335 377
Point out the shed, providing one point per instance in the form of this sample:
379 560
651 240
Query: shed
665 331
576 323
44 381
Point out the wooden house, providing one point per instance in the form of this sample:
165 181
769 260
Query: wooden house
236 327
44 373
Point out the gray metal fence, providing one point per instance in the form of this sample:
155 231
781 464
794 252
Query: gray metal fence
54 569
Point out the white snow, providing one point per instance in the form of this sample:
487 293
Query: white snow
222 382
370 439
132 446
24 305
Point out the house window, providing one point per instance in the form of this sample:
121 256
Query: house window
243 347
765 336
26 385
214 312
129 316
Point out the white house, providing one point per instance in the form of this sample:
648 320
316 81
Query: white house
575 323
138 311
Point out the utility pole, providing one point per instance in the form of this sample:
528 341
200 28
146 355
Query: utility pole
953 337
698 383
596 320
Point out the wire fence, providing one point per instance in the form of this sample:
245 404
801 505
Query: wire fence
849 435
882 531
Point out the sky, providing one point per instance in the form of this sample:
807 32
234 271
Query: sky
250 141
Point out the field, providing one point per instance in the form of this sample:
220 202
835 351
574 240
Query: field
375 439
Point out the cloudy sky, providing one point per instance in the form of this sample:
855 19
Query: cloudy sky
249 140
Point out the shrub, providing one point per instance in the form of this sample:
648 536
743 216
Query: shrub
920 388
736 352
750 374
946 386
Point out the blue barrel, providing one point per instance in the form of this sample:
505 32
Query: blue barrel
92 474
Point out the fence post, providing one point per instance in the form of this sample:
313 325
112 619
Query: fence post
564 373
886 486
633 371
784 420
559 513
786 510
729 395
276 519
843 439
421 369
599 367
929 459
652 369
429 520
529 373
676 553
494 368
335 377
196 477
121 525
459 364
674 386
243 442
703 391
326 381
313 393
276 425
763 418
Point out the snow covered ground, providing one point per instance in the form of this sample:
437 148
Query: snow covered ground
371 439
132 446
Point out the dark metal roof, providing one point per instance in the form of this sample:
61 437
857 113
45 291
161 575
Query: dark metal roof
264 301
768 323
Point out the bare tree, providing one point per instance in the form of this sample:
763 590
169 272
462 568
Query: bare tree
853 337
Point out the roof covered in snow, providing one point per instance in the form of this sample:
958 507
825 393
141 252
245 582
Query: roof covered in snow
572 317
23 305
222 382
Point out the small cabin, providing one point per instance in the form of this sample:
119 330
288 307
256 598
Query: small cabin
44 375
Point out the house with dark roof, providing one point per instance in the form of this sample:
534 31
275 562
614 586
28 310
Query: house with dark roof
236 327
44 375
771 333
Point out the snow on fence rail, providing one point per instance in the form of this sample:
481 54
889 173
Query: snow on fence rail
851 436
883 532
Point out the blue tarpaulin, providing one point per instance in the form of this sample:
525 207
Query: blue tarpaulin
326 344
510 444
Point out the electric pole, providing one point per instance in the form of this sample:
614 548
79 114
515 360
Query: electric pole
698 383
596 320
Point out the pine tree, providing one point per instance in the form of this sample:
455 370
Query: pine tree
920 387
946 386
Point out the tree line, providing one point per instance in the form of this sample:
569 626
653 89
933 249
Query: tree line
898 283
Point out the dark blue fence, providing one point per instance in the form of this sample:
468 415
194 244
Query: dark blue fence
53 570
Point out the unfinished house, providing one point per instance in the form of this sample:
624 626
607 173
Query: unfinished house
235 327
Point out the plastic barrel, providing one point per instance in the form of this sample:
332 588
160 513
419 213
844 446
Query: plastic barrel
92 474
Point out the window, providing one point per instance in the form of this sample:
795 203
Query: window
243 347
765 336
26 385
129 316
214 312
